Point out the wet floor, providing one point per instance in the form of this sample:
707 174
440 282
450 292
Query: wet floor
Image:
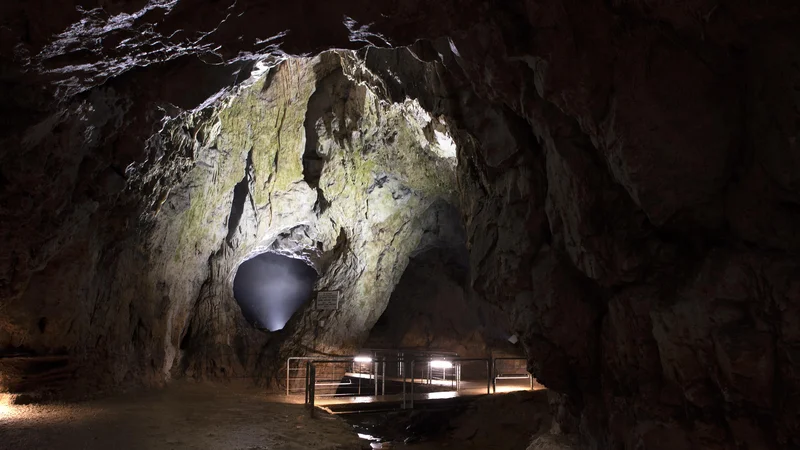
497 422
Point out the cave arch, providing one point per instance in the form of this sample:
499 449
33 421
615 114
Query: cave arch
270 287
433 306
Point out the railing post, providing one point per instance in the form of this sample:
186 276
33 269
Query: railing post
412 384
494 376
488 376
403 367
383 380
306 388
313 387
288 364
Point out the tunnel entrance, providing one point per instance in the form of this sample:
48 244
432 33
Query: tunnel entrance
269 288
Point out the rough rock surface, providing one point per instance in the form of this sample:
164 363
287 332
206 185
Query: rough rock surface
190 415
434 308
628 176
302 161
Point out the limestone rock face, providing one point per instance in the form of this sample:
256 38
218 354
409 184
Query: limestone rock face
433 306
302 161
627 175
336 176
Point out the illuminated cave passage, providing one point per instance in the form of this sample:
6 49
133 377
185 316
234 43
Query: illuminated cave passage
271 287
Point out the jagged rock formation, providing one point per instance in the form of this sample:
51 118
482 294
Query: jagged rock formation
302 161
627 176
433 306
334 175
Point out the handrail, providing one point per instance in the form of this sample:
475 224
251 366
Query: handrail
310 388
305 358
407 361
373 351
495 376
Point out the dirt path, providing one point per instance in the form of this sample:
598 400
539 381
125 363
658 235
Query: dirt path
182 416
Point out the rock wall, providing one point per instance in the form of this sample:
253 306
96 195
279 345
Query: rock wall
648 301
627 173
433 306
300 160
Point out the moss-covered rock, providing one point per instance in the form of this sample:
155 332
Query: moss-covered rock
379 169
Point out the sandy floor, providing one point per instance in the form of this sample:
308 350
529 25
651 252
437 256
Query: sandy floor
181 417
189 415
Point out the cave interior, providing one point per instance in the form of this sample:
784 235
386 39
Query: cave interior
608 189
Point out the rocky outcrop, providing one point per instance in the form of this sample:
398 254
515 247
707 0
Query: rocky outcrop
301 161
339 177
627 174
433 306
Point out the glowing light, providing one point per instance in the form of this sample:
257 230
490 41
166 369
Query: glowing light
447 147
442 395
362 359
505 389
11 412
270 287
368 437
441 364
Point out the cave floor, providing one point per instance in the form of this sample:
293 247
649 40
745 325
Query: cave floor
183 415
490 422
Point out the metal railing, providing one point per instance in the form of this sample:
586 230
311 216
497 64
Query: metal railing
296 372
409 380
296 369
442 376
503 371
457 365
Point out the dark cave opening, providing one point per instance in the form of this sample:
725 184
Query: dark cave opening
269 288
433 307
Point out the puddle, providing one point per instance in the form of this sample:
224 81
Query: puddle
401 428
500 422
368 437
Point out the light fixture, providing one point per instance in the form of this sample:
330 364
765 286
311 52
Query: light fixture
362 359
439 364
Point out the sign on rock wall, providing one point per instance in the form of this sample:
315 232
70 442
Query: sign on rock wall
327 300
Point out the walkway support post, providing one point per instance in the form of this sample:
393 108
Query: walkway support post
313 387
307 387
494 376
403 366
412 384
488 376
288 361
